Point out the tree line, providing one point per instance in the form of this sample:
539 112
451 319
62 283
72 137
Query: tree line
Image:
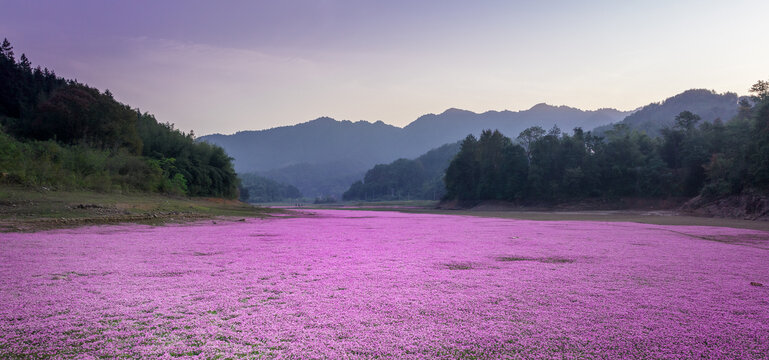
61 133
688 159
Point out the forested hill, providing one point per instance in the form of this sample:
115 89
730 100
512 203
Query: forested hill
59 133
421 178
707 104
320 141
690 158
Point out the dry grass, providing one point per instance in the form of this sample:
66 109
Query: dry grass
24 209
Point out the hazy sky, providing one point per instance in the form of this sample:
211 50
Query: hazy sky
224 66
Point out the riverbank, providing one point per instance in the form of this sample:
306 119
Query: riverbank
644 213
25 209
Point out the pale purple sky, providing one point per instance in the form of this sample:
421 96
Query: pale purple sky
224 66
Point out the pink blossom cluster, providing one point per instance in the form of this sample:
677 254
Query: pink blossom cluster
338 284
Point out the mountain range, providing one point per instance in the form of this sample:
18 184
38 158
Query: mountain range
324 156
315 154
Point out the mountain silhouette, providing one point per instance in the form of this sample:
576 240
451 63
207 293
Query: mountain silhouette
298 154
654 117
324 156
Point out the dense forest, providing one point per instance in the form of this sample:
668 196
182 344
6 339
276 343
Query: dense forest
421 178
62 134
688 159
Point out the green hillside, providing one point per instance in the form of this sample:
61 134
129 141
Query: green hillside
421 178
60 134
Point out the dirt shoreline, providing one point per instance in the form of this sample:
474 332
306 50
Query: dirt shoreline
669 212
22 210
40 224
637 216
26 210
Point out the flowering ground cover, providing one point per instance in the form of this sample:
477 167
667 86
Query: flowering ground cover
353 284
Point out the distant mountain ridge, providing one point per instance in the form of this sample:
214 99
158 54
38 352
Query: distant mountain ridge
327 140
276 153
708 104
454 124
319 141
308 155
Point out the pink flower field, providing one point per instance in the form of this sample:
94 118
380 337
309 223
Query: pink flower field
354 284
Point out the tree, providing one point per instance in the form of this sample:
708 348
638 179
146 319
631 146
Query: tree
515 168
546 167
463 172
687 120
24 64
759 168
492 147
529 136
744 109
554 131
7 50
761 91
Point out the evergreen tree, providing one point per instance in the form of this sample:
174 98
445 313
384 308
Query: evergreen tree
463 173
24 64
7 51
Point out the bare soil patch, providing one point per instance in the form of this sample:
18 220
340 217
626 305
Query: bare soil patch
749 206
